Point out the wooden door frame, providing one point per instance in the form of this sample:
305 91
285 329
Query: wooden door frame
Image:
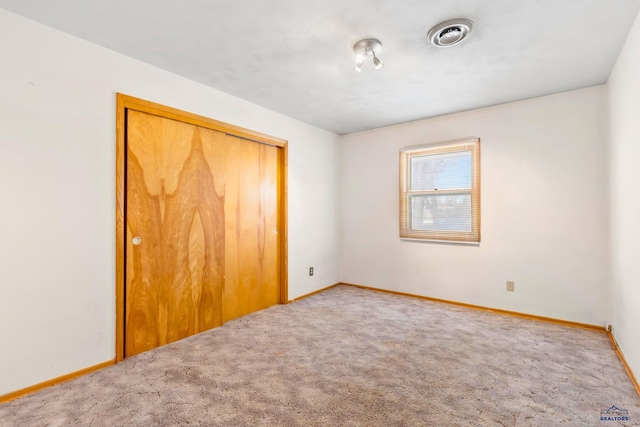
126 102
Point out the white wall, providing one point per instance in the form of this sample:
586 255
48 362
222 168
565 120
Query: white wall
544 185
624 125
57 183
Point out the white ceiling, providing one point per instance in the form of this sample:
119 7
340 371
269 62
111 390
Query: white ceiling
295 56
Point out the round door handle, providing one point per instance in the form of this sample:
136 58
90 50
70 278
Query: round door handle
136 241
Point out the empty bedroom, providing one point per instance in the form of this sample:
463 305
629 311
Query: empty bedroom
293 213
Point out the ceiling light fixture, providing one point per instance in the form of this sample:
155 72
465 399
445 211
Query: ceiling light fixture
451 32
364 48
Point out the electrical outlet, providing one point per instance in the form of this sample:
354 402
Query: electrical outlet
510 285
310 271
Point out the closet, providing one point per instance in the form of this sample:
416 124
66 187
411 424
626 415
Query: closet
201 228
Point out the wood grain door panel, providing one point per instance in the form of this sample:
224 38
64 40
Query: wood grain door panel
252 235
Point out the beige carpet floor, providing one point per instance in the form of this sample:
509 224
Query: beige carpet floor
352 357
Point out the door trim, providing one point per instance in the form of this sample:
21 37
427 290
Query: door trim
126 102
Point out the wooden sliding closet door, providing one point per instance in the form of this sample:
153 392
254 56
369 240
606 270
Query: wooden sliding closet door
201 229
252 235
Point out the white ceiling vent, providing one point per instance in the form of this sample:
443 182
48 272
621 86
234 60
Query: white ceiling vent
449 33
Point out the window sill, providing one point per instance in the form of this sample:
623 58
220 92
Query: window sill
443 242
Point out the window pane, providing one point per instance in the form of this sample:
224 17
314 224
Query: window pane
448 171
449 212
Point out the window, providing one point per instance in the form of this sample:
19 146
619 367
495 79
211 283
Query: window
440 192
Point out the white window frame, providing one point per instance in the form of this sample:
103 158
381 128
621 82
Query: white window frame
406 193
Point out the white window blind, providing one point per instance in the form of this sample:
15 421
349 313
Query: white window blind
440 192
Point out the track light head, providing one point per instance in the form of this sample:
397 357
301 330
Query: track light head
377 63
